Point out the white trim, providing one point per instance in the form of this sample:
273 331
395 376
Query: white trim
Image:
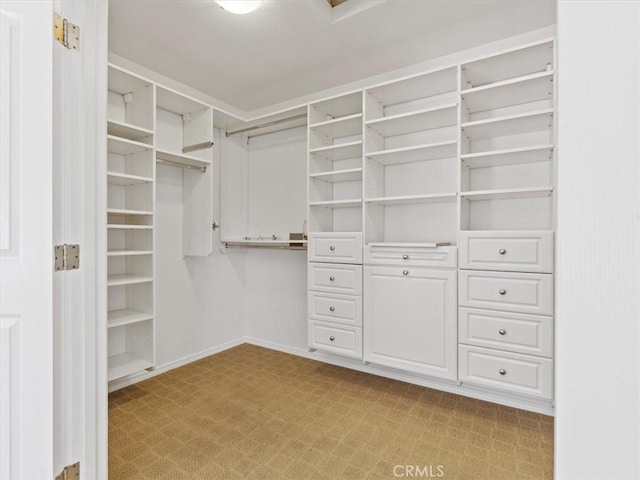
139 377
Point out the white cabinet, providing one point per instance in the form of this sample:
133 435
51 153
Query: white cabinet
336 247
410 319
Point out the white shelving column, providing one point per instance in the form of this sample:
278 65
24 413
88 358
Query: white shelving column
130 213
506 222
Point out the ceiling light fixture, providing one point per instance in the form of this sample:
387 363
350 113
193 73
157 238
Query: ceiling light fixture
239 6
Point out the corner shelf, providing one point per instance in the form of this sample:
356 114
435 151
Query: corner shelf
180 158
509 125
413 199
418 153
128 131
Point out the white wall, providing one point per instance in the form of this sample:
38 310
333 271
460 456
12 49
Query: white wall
598 241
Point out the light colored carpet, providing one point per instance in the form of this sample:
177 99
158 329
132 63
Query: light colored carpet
253 413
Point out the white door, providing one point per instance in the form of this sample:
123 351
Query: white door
26 247
410 319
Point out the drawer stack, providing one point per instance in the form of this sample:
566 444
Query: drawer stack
335 293
505 318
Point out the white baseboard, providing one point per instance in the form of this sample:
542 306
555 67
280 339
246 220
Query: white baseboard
160 369
543 407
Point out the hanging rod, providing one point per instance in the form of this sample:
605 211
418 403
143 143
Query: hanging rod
181 165
293 245
269 124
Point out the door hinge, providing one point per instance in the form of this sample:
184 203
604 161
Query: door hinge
70 472
67 257
66 32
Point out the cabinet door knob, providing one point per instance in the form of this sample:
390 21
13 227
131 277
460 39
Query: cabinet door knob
332 278
405 272
405 257
332 248
332 338
502 371
502 291
502 331
332 308
502 251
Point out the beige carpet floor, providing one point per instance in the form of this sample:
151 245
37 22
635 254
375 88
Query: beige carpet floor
253 413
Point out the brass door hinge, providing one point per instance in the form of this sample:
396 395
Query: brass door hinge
66 32
70 472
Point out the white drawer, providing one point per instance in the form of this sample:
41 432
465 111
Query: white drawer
410 254
345 279
331 307
339 339
517 373
514 292
514 332
511 251
340 247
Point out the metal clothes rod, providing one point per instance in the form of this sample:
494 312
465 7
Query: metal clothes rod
181 165
268 124
263 245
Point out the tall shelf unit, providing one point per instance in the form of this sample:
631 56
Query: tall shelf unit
130 223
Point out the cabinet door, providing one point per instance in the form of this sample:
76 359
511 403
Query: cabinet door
410 319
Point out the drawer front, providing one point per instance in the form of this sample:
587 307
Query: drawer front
345 279
516 252
335 247
514 292
513 332
339 339
521 374
415 255
328 307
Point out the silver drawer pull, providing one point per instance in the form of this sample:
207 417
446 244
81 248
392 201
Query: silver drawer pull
332 308
332 248
502 331
332 278
502 251
502 291
405 272
332 338
502 371
405 257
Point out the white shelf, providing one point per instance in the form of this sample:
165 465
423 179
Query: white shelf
126 364
512 64
118 318
122 81
122 146
127 279
116 178
182 159
510 156
127 130
335 176
122 253
124 226
341 151
339 127
508 193
413 199
416 87
418 153
409 245
351 203
124 211
426 119
175 102
337 107
526 89
509 125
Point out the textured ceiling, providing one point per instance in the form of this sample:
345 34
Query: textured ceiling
290 48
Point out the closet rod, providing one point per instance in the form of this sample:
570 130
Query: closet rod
181 165
281 246
269 124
